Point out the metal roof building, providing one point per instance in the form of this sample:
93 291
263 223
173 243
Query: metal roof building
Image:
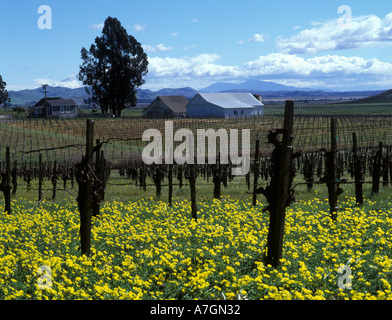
224 105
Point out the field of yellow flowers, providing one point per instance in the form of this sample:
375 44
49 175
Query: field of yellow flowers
147 250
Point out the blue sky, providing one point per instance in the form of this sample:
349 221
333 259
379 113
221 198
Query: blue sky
195 43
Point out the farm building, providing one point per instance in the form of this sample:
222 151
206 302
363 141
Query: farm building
224 105
54 108
167 107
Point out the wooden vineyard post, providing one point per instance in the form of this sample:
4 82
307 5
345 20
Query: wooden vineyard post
247 180
308 171
143 176
170 179
357 172
192 183
84 177
97 184
256 172
54 180
40 177
278 212
385 168
377 170
157 177
14 174
389 166
217 179
103 165
7 187
100 179
224 177
332 182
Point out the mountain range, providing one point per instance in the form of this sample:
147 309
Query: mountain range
250 85
30 97
269 90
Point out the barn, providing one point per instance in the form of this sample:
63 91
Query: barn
167 107
54 108
224 105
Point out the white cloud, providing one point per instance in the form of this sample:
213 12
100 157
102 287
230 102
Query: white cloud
191 47
258 38
139 27
68 82
333 72
159 48
96 26
174 34
362 32
20 87
202 65
327 71
328 65
195 21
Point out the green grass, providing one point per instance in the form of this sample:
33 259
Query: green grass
123 189
9 112
365 109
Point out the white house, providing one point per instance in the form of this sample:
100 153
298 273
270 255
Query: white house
224 105
54 108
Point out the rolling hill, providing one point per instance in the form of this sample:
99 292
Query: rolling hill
384 97
30 97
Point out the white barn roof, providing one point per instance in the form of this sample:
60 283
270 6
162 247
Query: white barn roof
232 100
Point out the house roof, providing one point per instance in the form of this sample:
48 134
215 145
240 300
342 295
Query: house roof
176 103
232 100
55 102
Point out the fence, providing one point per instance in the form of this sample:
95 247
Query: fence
61 139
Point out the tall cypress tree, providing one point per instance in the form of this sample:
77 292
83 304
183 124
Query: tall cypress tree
114 68
3 91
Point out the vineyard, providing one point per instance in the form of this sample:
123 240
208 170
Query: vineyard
61 140
202 257
60 145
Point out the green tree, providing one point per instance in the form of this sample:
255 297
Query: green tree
3 91
18 110
114 68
